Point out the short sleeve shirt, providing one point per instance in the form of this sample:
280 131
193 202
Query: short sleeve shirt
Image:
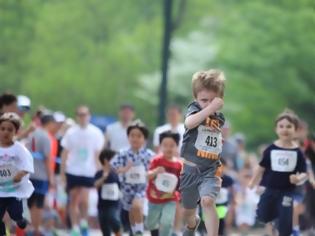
39 144
202 145
12 160
172 167
83 144
279 164
111 179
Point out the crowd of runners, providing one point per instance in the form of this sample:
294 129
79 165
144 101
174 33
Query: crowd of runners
62 173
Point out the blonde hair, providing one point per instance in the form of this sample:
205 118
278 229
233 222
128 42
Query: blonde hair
290 116
212 80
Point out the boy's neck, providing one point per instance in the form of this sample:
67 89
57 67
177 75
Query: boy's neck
5 145
169 158
285 143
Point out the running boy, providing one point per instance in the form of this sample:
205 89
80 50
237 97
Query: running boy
16 163
133 165
202 145
283 167
108 188
163 177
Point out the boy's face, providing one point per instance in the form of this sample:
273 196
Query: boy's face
205 97
168 147
7 132
285 130
136 139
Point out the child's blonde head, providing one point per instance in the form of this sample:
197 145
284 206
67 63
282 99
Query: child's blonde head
212 80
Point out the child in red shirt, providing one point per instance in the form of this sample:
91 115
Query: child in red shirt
162 193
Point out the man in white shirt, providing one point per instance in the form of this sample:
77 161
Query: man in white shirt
174 116
116 133
82 144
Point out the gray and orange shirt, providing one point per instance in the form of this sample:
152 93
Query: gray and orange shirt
202 145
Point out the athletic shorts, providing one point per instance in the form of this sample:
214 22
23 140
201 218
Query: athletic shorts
74 181
36 199
196 183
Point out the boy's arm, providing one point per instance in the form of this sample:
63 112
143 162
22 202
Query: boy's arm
64 157
299 178
99 182
256 177
19 175
153 173
196 119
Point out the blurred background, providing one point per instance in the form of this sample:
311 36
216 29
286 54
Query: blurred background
103 53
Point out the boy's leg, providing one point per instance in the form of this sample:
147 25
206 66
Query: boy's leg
167 218
136 215
3 204
15 210
154 216
190 197
103 218
114 219
285 215
267 209
209 189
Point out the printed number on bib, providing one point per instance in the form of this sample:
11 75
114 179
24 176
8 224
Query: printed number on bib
136 175
166 182
283 161
110 192
7 173
208 140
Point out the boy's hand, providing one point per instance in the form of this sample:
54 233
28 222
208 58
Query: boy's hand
294 179
217 103
159 170
17 178
129 165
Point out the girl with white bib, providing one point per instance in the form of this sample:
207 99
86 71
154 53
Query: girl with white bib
16 163
282 168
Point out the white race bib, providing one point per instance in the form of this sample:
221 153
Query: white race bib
136 175
208 140
166 182
7 173
110 192
223 196
283 161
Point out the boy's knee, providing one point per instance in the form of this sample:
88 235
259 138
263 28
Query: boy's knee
207 202
136 204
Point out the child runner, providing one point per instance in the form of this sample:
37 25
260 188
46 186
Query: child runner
225 197
133 165
16 163
283 167
163 177
108 188
202 145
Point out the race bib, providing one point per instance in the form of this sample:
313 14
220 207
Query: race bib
110 192
136 175
166 182
283 161
7 173
208 140
223 196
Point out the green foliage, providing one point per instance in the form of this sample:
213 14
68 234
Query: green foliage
103 53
